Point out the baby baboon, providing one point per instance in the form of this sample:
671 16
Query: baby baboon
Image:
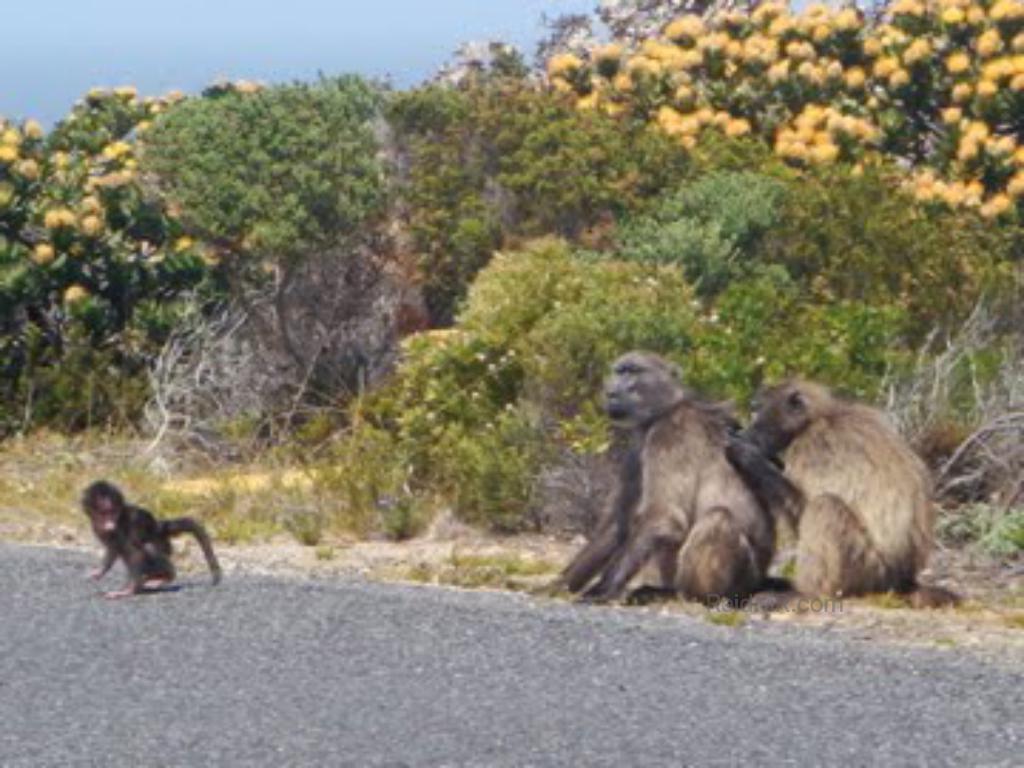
868 518
132 534
679 500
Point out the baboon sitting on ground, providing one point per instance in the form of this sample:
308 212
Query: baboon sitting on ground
679 499
868 519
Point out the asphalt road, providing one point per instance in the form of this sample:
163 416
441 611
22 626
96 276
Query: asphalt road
275 672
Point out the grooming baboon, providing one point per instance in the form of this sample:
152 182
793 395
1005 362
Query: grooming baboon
866 525
135 536
679 500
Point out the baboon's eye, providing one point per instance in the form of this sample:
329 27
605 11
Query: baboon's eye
795 401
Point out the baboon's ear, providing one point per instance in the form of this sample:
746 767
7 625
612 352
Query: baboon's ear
676 372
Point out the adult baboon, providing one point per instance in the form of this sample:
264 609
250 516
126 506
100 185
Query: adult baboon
868 518
679 500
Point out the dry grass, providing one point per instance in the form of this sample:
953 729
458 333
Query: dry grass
887 601
502 570
42 477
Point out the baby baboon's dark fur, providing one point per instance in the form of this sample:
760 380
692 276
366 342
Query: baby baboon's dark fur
135 536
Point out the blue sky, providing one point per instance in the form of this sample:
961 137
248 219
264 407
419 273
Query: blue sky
55 50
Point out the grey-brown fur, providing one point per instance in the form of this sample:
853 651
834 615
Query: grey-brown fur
680 502
868 519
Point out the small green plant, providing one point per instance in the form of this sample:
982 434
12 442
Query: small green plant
726 618
305 524
996 531
243 530
366 479
472 571
421 573
503 571
887 600
788 569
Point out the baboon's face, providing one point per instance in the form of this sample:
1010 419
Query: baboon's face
640 388
780 414
104 506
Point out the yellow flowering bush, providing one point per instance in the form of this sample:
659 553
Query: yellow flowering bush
937 85
86 255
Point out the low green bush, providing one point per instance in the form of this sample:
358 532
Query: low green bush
710 227
272 172
479 408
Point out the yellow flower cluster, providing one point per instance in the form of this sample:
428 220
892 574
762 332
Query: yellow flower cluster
110 180
248 86
977 145
27 169
562 64
688 126
58 218
819 132
825 85
74 294
117 150
91 225
43 254
10 141
33 130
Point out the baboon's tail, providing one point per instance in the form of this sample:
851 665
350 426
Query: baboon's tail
926 596
181 525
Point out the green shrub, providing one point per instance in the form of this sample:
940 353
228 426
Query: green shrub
501 160
276 172
855 238
565 319
744 204
81 388
707 257
710 227
369 478
493 471
480 408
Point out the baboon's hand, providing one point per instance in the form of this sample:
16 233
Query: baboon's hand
741 451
